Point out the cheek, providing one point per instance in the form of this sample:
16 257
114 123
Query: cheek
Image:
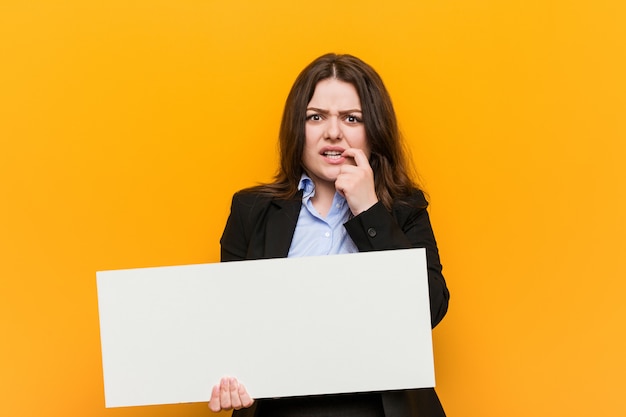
309 145
309 136
314 130
361 142
308 150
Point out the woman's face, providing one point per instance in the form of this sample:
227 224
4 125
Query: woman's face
333 124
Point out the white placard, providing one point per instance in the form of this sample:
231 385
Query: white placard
284 327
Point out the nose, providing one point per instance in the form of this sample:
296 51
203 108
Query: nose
333 128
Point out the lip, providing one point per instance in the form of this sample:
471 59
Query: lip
332 148
335 160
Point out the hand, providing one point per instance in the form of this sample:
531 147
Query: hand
229 394
356 182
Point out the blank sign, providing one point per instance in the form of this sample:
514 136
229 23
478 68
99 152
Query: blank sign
284 327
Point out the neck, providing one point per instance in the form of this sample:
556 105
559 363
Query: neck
323 199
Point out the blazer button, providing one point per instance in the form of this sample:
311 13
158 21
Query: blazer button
371 231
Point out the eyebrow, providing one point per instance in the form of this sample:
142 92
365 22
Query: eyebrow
322 111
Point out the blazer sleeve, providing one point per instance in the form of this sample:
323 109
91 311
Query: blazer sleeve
406 226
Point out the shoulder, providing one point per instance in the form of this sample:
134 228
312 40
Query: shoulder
257 200
410 207
251 196
249 203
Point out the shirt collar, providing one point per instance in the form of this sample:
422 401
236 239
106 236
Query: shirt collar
307 186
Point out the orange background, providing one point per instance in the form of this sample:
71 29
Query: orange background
126 126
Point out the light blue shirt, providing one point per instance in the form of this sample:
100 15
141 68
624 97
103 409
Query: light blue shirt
316 235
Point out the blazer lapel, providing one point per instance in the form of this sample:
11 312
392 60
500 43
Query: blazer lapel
281 225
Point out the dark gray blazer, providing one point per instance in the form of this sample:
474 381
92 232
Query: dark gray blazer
262 227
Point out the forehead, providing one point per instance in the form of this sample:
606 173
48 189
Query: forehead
332 93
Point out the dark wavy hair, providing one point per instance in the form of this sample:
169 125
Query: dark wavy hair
388 156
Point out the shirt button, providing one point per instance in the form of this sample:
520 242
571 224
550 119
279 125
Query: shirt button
371 231
327 234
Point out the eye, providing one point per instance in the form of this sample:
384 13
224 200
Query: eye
351 118
314 117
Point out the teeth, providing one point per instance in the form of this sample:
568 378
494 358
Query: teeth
332 154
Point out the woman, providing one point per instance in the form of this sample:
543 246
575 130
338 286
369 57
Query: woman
342 186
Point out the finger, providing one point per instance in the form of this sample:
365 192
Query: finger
214 402
350 176
349 169
235 401
349 156
225 393
246 400
340 184
358 155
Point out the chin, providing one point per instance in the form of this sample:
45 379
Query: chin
330 179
